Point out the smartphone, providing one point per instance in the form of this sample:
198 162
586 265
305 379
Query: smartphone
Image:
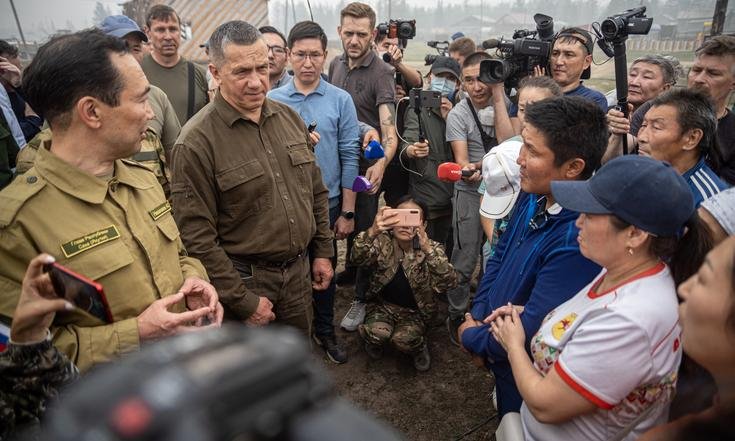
84 293
312 126
407 217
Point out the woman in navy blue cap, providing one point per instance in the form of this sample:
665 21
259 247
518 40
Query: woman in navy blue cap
604 364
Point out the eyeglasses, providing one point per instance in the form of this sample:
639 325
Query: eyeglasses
300 56
277 50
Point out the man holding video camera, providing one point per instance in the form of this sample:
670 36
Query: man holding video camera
102 216
422 157
571 57
474 126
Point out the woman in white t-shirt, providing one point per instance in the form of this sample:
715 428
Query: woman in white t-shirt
605 362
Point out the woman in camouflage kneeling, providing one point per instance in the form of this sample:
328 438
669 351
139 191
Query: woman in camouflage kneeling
408 270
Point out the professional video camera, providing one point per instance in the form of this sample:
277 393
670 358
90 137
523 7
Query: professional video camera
442 48
400 29
216 385
611 36
520 55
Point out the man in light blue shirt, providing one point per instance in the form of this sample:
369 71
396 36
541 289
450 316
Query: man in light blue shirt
337 152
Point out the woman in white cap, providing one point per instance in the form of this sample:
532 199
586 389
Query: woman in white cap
604 364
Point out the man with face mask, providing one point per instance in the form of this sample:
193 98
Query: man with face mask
422 157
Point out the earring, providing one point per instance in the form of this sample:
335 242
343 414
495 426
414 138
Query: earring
630 251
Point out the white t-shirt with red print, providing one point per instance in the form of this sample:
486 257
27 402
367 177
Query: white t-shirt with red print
619 349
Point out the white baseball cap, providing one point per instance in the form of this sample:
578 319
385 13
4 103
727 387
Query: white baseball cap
502 179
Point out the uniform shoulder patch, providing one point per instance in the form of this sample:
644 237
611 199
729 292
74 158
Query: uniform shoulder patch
22 189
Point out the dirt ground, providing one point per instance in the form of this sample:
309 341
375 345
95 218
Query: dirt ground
442 404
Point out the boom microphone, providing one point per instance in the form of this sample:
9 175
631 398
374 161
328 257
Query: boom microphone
452 172
491 43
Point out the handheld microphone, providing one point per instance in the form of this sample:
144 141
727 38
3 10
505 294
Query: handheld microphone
490 43
387 58
361 184
374 150
452 172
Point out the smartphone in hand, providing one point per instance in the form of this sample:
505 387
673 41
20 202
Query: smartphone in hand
407 217
83 293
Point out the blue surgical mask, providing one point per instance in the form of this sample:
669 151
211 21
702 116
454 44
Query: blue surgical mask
444 86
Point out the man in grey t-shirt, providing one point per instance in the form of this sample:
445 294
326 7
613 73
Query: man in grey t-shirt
489 103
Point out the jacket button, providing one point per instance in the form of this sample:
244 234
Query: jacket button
31 179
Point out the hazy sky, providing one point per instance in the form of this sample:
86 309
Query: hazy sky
40 17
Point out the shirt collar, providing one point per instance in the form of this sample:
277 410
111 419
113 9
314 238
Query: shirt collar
365 61
78 183
230 115
291 90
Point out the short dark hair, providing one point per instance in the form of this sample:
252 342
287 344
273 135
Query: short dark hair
307 29
464 45
272 30
573 127
422 205
8 49
235 31
475 58
358 10
161 13
540 82
695 110
70 67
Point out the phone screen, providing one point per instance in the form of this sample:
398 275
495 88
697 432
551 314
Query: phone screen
84 293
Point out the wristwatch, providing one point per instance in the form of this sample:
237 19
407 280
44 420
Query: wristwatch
349 215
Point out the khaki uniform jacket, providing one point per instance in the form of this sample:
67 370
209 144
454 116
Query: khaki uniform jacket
248 191
120 233
427 273
151 155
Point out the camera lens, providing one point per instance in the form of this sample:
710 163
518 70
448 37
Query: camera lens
609 28
429 59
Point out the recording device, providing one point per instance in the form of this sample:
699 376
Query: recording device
374 150
630 22
215 385
312 126
399 28
519 55
407 217
361 184
611 36
85 294
452 172
442 48
423 99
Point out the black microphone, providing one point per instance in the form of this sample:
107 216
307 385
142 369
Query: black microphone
386 57
491 43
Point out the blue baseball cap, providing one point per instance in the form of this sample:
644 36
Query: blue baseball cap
119 26
641 191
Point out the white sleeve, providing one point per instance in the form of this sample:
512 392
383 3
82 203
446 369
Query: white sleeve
607 357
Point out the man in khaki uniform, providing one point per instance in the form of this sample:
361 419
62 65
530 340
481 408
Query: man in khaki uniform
247 193
98 215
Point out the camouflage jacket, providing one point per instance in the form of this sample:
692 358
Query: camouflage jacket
427 273
31 376
151 155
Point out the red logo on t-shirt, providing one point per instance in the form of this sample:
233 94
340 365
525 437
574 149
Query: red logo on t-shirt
676 345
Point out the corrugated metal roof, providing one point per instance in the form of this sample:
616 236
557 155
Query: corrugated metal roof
205 15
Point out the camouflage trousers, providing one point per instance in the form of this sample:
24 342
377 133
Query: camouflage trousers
386 323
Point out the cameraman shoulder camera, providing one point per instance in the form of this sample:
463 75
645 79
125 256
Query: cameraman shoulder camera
390 42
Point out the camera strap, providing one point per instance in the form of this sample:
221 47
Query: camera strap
488 142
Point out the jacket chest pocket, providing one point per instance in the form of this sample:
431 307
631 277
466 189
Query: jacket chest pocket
244 189
303 161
